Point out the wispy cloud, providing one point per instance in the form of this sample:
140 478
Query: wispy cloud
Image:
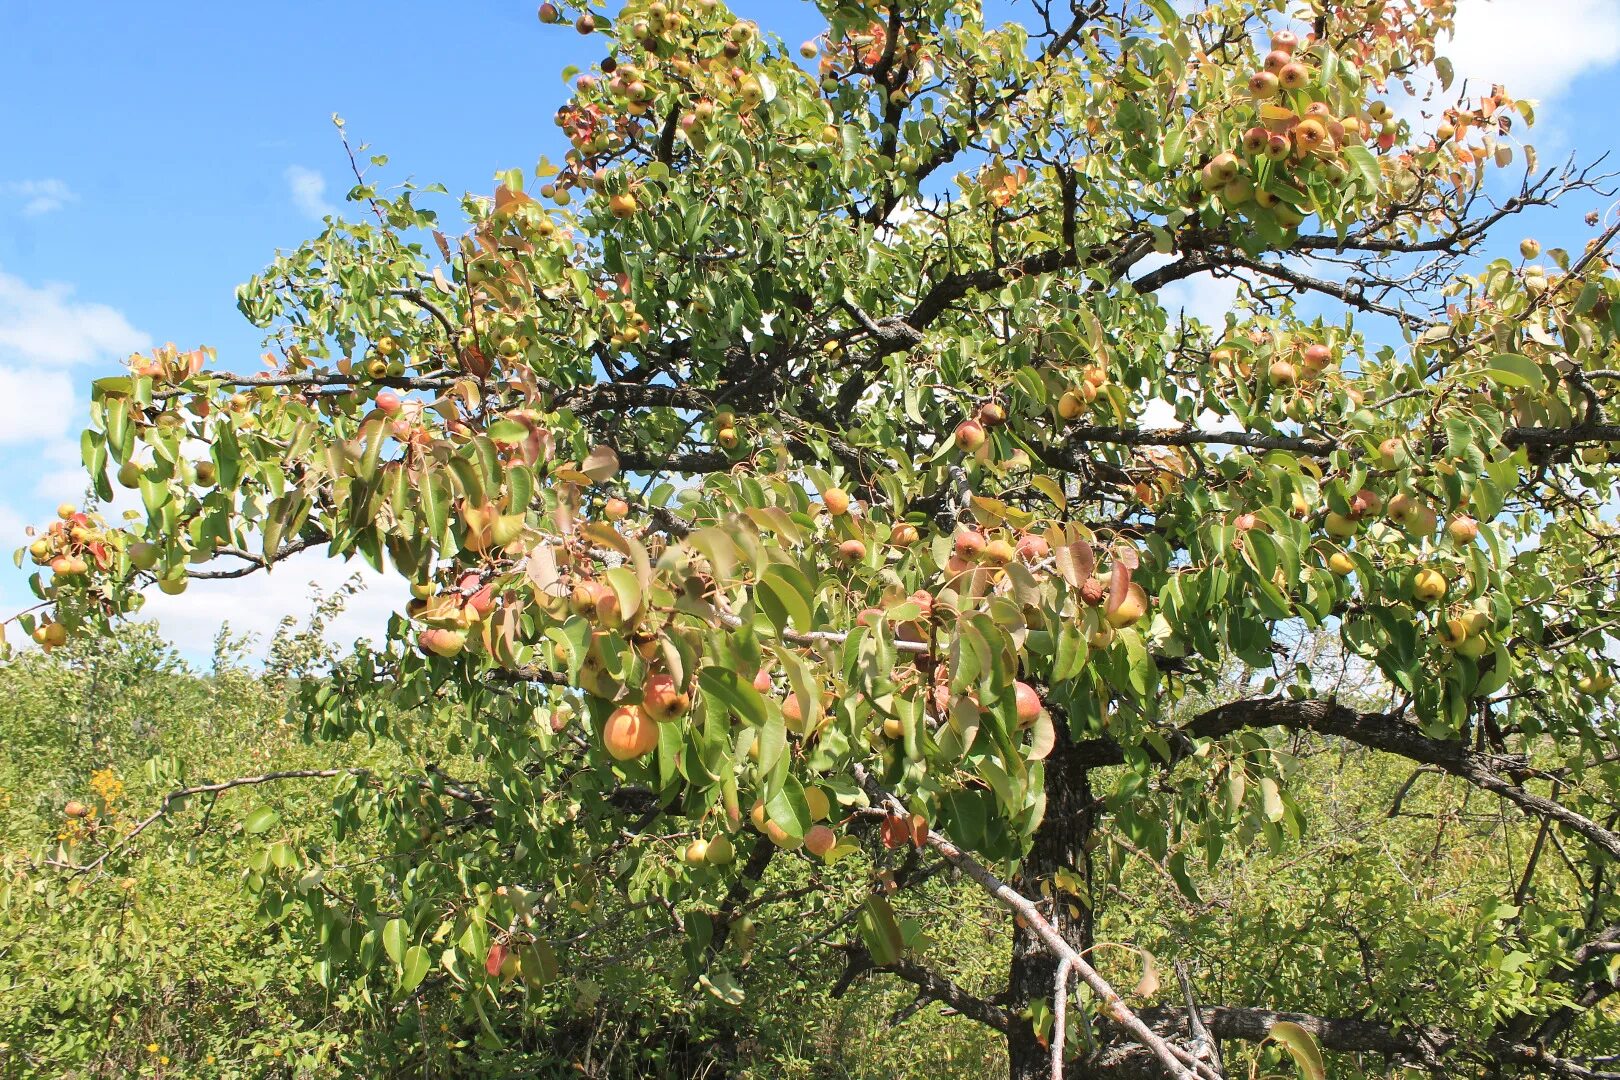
1535 48
45 325
308 190
38 196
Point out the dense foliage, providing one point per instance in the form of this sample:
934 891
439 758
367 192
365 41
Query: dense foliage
783 458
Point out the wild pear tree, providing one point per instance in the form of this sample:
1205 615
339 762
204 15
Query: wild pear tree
790 473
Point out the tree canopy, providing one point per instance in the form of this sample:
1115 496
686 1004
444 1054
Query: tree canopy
813 454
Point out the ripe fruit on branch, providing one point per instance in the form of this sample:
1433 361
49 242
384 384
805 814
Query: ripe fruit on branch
623 205
1255 139
969 436
441 642
1530 249
586 23
1429 586
1309 135
904 535
1462 529
1033 548
1594 684
992 414
662 699
1071 405
1029 703
143 555
549 14
696 853
852 551
629 733
615 509
1391 453
999 552
1365 502
76 809
389 402
1339 526
1132 606
819 840
1282 373
970 543
1285 41
1341 564
1293 76
836 500
719 851
1277 59
1264 85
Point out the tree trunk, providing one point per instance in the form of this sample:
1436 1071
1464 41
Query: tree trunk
1061 843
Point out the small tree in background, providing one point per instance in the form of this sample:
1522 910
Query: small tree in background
791 476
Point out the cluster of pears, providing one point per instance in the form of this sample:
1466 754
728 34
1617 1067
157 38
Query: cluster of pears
383 360
1288 362
70 543
972 433
631 731
819 839
665 46
1076 399
909 68
449 613
1293 133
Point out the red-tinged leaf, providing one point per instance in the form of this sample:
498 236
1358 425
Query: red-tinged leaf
506 199
1076 562
541 571
896 832
601 464
1119 586
496 957
474 362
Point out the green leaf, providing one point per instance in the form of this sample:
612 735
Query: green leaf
1363 165
1298 1042
880 931
260 820
786 597
1516 372
413 968
735 693
393 939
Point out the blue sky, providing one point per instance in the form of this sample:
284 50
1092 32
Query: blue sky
156 156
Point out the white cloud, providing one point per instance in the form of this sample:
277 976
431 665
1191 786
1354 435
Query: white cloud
46 325
35 404
38 196
308 189
256 603
65 479
1535 48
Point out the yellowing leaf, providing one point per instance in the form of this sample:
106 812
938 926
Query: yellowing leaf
1299 1044
601 464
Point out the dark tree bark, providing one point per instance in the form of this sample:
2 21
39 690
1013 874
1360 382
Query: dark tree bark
1061 843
